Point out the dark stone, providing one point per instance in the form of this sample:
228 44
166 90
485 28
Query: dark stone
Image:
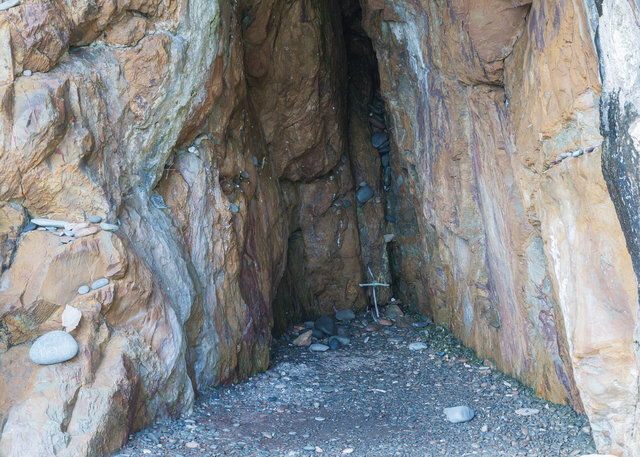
317 333
390 218
379 139
326 324
346 203
364 194
385 160
384 149
334 344
30 226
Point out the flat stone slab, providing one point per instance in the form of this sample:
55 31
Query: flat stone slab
317 347
49 223
378 139
53 347
459 414
109 227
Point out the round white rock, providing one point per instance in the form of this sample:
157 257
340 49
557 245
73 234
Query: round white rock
53 347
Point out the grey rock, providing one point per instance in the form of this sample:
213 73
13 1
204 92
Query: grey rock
459 414
343 340
27 73
94 219
345 315
385 160
384 149
343 331
317 347
317 333
234 208
343 158
378 139
29 227
98 283
326 325
109 227
53 347
417 346
364 194
346 203
245 174
83 290
334 344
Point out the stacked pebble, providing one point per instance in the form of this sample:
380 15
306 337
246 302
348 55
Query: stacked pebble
69 231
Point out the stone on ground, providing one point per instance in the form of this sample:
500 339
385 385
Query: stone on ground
458 414
345 315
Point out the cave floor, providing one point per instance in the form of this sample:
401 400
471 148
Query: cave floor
374 397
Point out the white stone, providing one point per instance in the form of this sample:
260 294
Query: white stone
317 347
70 318
417 346
53 347
459 414
83 290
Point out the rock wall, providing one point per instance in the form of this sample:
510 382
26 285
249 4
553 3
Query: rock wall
230 143
495 119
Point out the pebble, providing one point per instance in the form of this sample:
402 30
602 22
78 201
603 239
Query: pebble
192 445
385 322
385 149
348 450
109 227
98 283
49 223
83 290
420 324
326 325
346 203
417 346
27 73
378 139
334 344
94 219
234 208
384 160
371 328
527 411
364 194
317 347
86 231
29 227
343 340
53 347
390 218
304 339
459 414
345 315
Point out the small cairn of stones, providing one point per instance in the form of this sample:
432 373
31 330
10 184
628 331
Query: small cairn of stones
334 332
70 231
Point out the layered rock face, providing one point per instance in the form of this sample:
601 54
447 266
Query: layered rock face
229 144
495 109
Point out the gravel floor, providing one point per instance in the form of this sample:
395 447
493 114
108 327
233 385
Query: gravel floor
374 397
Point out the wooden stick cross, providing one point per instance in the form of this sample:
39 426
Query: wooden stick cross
374 284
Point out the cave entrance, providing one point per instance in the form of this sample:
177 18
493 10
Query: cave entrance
363 212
